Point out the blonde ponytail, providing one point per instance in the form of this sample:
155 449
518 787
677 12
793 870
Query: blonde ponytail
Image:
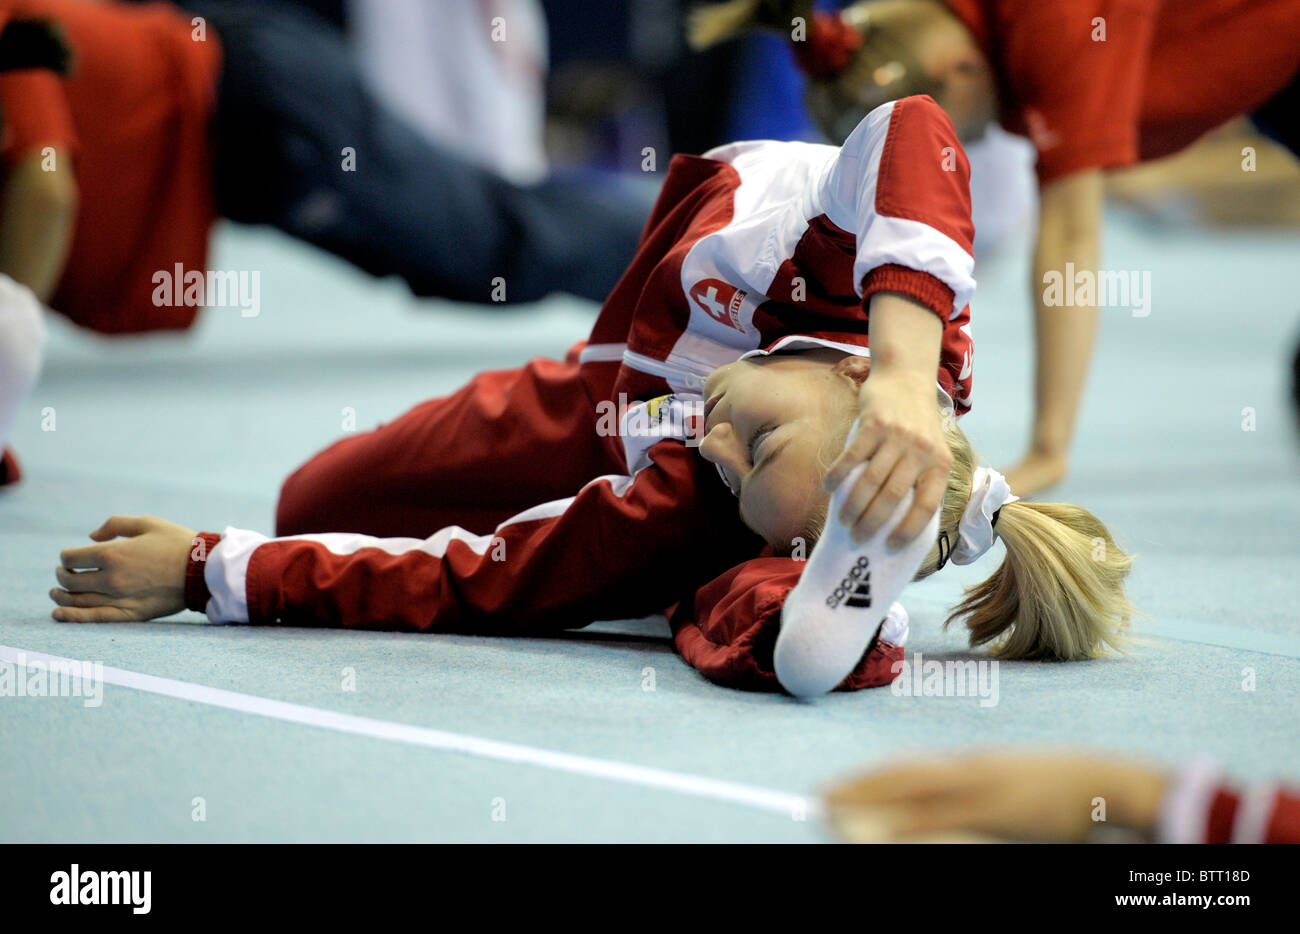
1059 593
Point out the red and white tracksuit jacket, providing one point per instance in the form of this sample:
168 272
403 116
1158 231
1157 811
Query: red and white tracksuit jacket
514 505
1199 807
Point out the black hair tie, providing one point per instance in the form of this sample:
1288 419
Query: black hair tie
945 549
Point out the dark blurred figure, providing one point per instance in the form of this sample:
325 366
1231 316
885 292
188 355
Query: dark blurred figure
1295 382
616 78
116 170
622 79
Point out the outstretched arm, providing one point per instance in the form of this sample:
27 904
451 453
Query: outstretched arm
1069 232
609 552
37 210
39 191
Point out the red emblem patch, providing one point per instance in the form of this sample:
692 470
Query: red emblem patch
719 300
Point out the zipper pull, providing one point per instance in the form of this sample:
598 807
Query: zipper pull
695 381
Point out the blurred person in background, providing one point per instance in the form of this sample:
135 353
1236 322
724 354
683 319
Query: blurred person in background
128 129
467 74
1191 188
22 317
472 76
159 120
1094 85
768 103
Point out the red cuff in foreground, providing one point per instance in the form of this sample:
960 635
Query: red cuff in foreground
197 594
919 286
1223 812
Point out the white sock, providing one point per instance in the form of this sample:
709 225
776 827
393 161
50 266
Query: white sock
22 346
843 596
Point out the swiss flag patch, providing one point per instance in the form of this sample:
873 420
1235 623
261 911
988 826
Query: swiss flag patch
719 300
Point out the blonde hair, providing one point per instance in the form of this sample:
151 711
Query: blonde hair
883 69
1059 593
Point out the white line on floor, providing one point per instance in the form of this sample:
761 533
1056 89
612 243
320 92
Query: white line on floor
764 799
1223 636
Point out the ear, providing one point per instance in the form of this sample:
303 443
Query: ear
854 367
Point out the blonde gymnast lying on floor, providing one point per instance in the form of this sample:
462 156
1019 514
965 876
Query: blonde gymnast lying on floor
520 505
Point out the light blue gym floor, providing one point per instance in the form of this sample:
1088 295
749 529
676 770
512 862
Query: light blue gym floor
201 428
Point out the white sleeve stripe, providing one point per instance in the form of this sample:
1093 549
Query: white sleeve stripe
599 353
619 483
1184 812
226 572
1254 814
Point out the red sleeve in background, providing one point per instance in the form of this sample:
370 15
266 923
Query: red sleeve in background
1072 75
33 114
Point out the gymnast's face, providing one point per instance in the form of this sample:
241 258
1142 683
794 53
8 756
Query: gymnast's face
772 425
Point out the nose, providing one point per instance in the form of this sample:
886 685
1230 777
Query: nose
722 446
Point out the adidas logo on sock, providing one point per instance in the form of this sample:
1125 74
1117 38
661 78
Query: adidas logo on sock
856 587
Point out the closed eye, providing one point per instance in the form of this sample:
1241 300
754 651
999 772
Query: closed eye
756 439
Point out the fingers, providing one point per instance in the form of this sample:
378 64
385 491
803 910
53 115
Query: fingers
891 473
939 816
913 817
898 784
99 614
77 607
861 824
96 557
889 493
92 556
880 462
116 526
860 447
896 465
75 599
840 468
909 800
87 557
85 581
929 496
